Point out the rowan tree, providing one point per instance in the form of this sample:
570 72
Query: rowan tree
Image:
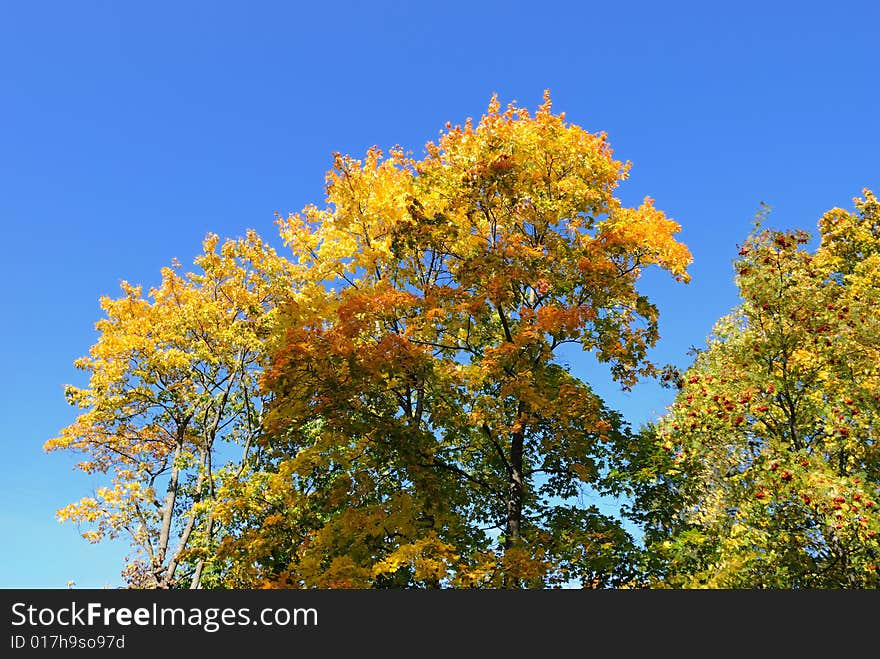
771 444
172 406
423 431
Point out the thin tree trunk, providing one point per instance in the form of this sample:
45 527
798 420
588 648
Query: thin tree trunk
167 515
209 525
168 578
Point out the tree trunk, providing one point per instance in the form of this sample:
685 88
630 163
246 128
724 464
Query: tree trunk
159 569
513 527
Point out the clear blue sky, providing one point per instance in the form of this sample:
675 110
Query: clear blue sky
129 130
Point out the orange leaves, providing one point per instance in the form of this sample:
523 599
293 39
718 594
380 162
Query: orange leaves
552 319
433 294
396 378
647 232
560 321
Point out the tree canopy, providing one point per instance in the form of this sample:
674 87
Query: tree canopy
173 404
772 468
382 402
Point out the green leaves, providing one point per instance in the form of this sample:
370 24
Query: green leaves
434 295
386 407
773 432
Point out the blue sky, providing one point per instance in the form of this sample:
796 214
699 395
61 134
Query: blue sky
129 130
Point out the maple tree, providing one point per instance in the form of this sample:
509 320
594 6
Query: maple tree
172 407
387 407
766 470
423 431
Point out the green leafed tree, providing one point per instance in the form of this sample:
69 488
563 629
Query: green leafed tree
765 473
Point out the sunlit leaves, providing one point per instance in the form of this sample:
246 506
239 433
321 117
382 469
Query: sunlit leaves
172 380
386 406
414 371
772 439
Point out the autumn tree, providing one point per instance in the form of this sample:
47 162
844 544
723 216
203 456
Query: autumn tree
172 407
423 431
769 459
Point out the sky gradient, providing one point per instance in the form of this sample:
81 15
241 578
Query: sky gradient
130 130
